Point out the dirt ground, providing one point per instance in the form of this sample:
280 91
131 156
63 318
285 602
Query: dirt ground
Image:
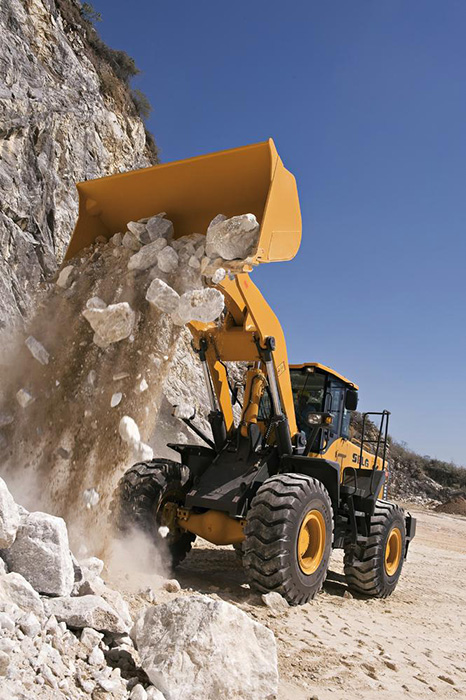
412 645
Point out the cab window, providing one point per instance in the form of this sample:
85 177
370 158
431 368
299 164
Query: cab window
308 395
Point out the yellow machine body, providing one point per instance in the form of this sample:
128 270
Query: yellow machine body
251 179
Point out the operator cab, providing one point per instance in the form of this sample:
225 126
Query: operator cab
323 401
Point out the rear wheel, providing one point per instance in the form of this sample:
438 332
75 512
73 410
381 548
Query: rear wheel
146 498
374 570
289 537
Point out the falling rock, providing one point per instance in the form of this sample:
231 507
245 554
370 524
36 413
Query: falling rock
184 410
148 255
167 260
42 555
162 296
37 350
9 517
129 431
111 324
91 497
203 305
116 399
233 238
200 636
143 452
64 278
86 611
24 398
157 226
15 589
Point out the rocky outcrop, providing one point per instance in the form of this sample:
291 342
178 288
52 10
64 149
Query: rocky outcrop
60 124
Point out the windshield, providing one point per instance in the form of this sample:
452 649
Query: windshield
308 394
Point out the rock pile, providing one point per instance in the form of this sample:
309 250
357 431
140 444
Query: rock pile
64 633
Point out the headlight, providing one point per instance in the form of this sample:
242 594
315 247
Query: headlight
314 418
319 418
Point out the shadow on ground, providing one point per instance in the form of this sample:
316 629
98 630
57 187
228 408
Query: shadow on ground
219 570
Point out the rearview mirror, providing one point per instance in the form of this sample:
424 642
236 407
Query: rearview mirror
351 400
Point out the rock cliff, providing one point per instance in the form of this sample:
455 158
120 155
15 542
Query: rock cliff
66 114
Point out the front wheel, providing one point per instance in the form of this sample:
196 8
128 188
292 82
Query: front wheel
289 537
375 569
144 495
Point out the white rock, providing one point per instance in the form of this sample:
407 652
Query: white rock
111 324
116 399
95 303
158 226
120 375
148 255
275 601
64 278
86 611
116 239
129 431
219 275
163 531
154 694
90 638
6 622
203 305
234 238
91 377
91 497
184 410
96 657
41 554
10 517
171 585
222 652
143 386
162 296
92 566
138 693
4 663
143 452
30 625
194 262
15 589
167 260
24 398
3 567
137 228
130 241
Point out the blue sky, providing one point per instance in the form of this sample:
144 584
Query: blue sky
366 102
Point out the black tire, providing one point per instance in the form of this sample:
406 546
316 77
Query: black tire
139 499
366 570
277 517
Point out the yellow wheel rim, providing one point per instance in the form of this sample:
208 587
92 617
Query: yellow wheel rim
393 551
311 542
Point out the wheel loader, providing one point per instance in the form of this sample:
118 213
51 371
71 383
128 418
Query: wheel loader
284 484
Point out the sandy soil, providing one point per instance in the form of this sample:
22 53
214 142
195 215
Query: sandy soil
412 645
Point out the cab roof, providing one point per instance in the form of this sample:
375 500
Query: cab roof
327 370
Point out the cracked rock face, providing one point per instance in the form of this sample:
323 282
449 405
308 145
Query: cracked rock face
57 129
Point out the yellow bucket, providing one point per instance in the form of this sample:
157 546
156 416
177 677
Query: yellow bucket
246 180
